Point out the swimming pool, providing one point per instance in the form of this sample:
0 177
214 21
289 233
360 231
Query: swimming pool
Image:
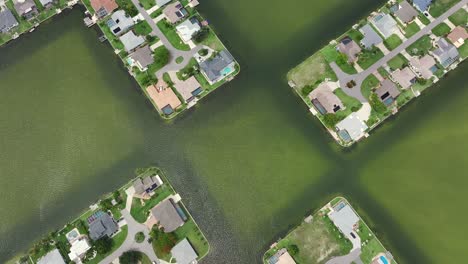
383 260
227 70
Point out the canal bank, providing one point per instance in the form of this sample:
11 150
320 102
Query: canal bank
248 160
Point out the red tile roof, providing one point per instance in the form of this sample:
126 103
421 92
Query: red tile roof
109 5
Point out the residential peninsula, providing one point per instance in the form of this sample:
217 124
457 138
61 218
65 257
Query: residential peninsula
167 46
383 62
335 234
144 221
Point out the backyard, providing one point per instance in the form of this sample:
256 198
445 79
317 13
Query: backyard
332 55
141 208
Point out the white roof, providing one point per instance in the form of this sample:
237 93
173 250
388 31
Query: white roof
131 41
353 125
45 2
344 219
183 252
53 257
187 28
385 24
79 247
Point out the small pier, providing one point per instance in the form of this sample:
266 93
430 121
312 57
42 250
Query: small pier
102 38
89 22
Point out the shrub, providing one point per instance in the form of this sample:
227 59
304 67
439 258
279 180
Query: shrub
331 120
103 245
201 35
130 257
203 52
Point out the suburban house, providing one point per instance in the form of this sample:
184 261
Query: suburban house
7 20
387 92
193 3
350 48
101 224
385 24
78 249
119 22
164 97
142 58
422 5
405 12
131 41
281 257
445 53
324 100
175 12
53 257
346 220
458 36
352 128
162 3
168 215
145 186
217 68
424 66
48 3
371 38
404 77
103 7
187 28
25 8
184 253
188 89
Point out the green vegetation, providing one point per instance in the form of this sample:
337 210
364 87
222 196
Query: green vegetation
368 57
142 28
171 34
147 4
411 29
392 42
139 237
131 257
351 104
397 62
441 6
332 55
355 35
314 69
163 243
141 208
208 38
113 40
404 97
463 50
128 7
368 85
179 60
116 241
424 19
192 232
420 47
372 245
459 18
441 29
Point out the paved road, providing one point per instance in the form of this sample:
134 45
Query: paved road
355 92
175 53
353 256
130 243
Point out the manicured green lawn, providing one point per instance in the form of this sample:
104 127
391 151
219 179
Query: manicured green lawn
397 62
113 40
424 19
368 84
459 18
140 211
411 29
212 41
355 35
311 71
147 4
171 34
142 28
392 42
351 104
440 6
441 29
420 47
372 247
191 231
332 55
369 57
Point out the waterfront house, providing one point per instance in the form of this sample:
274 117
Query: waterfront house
184 253
405 12
350 48
103 7
168 215
404 77
78 249
162 3
385 24
188 89
424 66
352 128
7 20
145 186
346 220
48 3
53 257
281 257
371 38
422 5
131 41
101 224
26 8
187 28
164 97
387 92
445 53
458 36
119 22
193 3
217 68
175 12
324 100
142 58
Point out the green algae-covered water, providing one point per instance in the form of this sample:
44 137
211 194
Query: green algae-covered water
248 160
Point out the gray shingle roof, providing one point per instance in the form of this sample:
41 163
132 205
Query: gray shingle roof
213 67
143 56
102 225
167 216
406 12
446 53
7 20
162 3
385 24
183 252
131 41
24 6
371 38
387 88
53 257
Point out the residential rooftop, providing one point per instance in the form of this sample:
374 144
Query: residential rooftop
163 96
371 38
